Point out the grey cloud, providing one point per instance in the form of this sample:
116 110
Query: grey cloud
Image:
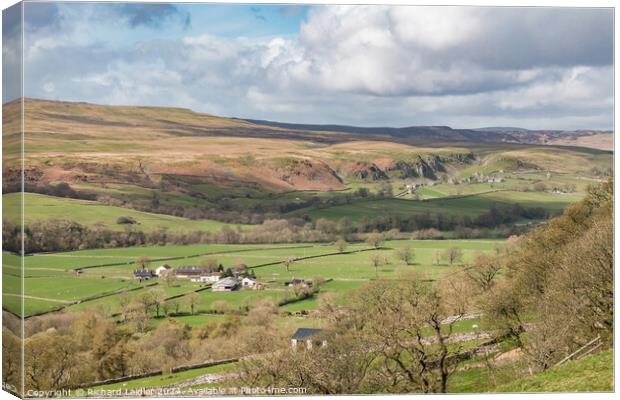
353 66
521 38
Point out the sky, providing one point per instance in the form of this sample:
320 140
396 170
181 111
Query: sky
466 67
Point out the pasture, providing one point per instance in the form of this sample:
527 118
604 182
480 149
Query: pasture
162 380
467 204
38 207
51 280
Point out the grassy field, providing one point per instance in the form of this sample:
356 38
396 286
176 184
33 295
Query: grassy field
470 200
593 373
41 207
163 380
51 281
471 205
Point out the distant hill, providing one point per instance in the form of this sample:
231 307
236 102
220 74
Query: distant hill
205 167
602 140
114 122
500 129
424 133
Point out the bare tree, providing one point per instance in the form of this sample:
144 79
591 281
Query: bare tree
142 262
396 318
483 271
375 240
405 254
288 261
209 265
169 277
192 301
341 246
453 255
375 261
437 256
159 298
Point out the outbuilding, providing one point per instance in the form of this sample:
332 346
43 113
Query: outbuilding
162 269
310 336
226 285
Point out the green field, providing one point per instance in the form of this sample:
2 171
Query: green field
51 281
41 207
593 373
470 205
162 380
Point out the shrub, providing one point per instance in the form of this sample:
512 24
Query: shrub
126 220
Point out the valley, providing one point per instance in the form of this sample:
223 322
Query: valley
271 228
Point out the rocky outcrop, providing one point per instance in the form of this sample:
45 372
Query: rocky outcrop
420 166
298 172
366 171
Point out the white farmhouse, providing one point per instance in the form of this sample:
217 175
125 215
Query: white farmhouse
162 269
207 278
249 283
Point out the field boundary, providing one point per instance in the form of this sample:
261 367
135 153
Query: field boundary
91 298
189 256
181 368
317 256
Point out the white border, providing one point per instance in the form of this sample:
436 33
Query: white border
495 3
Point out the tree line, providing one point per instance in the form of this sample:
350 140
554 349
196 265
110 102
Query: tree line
65 235
66 350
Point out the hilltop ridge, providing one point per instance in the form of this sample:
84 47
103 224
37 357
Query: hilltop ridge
178 121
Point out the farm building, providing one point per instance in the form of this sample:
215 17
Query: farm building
249 283
143 274
162 269
412 187
311 336
226 285
207 277
189 272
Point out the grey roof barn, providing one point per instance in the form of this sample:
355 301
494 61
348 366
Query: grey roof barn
308 335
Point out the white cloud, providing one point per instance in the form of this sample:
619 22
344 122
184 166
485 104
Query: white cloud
366 65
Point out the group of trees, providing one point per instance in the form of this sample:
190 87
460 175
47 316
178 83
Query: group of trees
451 255
557 293
394 337
138 310
69 349
65 235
